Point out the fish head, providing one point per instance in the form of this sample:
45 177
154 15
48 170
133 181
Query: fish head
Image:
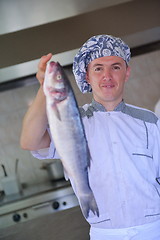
55 86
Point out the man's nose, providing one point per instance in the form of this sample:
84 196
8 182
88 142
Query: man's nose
107 75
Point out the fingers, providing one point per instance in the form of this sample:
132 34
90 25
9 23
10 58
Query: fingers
42 67
43 61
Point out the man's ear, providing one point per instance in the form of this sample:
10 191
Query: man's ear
128 72
87 77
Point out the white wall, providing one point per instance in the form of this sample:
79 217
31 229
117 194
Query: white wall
143 89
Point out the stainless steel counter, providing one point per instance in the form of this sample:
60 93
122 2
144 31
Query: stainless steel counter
33 190
36 202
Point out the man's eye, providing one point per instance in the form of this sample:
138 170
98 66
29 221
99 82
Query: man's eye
116 67
97 69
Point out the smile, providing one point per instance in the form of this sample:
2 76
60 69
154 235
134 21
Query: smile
108 86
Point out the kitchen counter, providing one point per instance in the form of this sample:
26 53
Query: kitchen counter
36 202
68 224
33 190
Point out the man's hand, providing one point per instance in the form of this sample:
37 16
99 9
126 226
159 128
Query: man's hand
34 134
42 67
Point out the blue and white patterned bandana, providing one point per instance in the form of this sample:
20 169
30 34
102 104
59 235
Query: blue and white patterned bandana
96 47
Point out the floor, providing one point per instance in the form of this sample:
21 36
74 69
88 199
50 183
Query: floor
68 224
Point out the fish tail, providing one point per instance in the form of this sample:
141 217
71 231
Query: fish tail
88 203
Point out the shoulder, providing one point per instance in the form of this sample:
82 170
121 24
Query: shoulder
140 113
87 110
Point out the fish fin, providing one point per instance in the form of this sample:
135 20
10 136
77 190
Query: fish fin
65 174
88 203
65 171
56 112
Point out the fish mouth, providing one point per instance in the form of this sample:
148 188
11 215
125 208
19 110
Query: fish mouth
52 65
58 94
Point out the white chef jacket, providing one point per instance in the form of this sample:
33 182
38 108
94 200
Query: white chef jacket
124 169
149 231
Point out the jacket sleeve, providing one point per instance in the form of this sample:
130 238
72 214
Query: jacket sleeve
46 153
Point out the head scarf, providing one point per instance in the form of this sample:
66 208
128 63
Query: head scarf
96 47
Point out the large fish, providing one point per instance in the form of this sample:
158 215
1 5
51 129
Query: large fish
68 134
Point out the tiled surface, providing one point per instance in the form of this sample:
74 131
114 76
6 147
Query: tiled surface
143 89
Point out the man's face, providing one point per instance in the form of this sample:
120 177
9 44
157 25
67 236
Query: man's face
107 76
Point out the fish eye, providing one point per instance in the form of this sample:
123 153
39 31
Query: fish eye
59 77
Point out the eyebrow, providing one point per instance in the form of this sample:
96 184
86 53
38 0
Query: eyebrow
100 64
117 63
97 64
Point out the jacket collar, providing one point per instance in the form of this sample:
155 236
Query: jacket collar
99 107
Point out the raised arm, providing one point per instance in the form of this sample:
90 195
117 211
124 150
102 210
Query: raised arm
34 135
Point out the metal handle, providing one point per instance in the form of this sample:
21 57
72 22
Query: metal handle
4 170
41 205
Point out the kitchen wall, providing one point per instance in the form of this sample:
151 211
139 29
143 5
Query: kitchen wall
143 89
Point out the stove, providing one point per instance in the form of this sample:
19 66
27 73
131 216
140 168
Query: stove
35 202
